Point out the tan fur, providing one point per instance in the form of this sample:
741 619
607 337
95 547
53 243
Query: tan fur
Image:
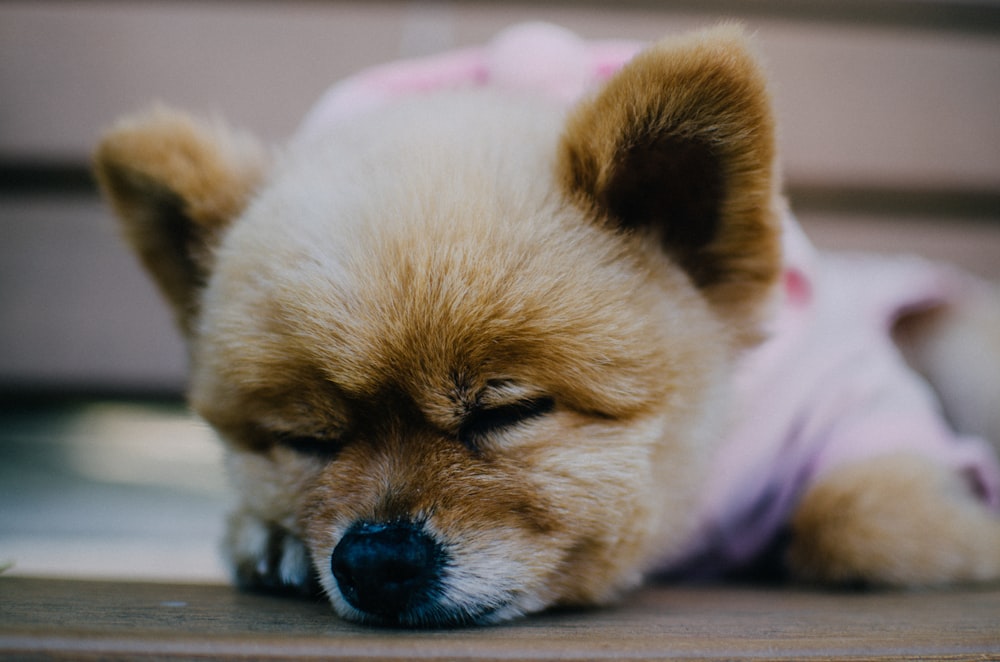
177 183
385 285
900 520
426 322
703 97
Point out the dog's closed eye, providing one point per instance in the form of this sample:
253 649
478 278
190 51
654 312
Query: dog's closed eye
318 447
479 423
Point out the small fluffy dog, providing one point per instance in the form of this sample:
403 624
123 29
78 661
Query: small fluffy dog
516 326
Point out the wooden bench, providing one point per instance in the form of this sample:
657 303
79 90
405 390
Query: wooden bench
71 619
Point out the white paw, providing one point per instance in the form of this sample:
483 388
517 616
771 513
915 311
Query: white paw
267 557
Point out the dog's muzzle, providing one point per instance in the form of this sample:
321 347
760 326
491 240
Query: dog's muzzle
389 571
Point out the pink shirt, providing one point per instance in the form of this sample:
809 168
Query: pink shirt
827 388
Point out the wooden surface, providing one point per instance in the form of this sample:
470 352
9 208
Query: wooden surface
63 619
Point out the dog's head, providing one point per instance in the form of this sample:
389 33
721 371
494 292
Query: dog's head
471 350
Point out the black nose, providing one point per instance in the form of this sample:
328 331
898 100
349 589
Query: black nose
387 569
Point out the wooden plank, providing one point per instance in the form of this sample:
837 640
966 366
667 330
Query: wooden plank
859 103
64 619
975 246
76 309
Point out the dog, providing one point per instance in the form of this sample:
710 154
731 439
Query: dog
519 326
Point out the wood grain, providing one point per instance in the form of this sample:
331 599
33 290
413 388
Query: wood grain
68 619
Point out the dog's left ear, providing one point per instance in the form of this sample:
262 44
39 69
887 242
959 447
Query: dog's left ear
176 184
680 145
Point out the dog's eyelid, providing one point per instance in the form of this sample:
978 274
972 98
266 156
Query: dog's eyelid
502 393
481 421
317 441
318 446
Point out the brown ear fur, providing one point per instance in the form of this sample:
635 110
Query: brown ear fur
680 144
176 184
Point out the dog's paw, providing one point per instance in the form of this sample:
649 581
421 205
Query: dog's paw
899 520
267 557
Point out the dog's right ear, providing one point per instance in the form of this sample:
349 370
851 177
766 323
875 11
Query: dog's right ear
679 145
177 184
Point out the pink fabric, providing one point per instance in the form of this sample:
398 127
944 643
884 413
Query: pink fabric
533 58
828 388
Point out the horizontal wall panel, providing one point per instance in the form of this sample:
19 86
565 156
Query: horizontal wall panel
857 102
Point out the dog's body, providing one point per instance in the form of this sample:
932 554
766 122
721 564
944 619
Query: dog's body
474 358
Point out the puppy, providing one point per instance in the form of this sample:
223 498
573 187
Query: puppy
517 326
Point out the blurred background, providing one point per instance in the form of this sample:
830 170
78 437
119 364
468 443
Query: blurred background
889 116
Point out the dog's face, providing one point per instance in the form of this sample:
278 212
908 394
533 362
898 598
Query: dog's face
471 352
